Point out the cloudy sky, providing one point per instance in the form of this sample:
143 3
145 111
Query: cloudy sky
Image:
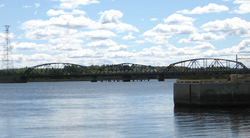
150 32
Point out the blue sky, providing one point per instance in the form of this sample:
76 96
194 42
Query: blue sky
96 32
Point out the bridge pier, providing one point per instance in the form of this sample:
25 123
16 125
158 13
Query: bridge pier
160 77
94 79
126 78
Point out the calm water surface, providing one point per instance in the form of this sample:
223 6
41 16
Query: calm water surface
110 109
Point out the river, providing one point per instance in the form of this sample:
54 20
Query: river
110 109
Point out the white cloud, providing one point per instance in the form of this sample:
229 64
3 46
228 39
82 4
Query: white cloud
179 19
67 40
52 12
84 53
41 34
2 38
102 43
111 16
67 31
96 34
68 21
47 33
226 52
100 26
66 44
71 22
66 47
122 27
64 21
243 8
2 5
164 29
32 46
34 24
71 4
37 5
76 11
32 60
119 54
119 28
39 57
118 48
205 37
155 51
244 46
211 7
174 51
26 46
35 13
204 46
153 19
139 41
183 40
241 1
157 39
202 50
128 37
233 26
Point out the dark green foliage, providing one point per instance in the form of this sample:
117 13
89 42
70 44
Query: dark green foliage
12 72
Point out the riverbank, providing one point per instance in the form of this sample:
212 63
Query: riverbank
12 80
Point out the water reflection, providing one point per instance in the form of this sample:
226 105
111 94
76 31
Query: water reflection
218 122
84 109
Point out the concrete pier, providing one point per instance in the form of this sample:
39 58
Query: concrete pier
160 77
94 79
126 78
212 94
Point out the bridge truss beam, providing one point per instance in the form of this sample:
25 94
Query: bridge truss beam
186 67
205 66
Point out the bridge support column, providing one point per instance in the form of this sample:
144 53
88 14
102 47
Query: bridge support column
126 78
94 79
160 77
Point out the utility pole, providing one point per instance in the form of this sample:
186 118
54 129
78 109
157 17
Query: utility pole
237 83
237 79
7 61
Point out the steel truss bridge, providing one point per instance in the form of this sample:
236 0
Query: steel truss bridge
126 70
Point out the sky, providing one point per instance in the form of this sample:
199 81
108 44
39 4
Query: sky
97 32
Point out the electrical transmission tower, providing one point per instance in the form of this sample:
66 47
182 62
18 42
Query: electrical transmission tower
7 61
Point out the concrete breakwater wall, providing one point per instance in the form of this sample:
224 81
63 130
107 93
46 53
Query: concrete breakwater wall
212 94
12 80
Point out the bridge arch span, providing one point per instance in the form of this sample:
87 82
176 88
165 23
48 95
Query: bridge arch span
205 66
57 69
125 69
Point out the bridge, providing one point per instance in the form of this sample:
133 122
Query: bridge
127 70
